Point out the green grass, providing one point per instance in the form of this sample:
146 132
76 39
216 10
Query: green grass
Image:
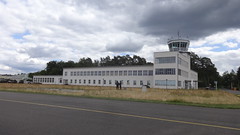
199 98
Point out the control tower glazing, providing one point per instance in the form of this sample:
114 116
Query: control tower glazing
180 45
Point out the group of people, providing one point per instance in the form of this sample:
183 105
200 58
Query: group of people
118 85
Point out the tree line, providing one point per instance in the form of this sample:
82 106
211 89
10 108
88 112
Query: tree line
207 72
56 67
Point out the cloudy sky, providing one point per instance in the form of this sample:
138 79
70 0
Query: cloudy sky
34 32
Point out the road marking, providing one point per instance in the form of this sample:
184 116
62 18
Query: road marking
121 114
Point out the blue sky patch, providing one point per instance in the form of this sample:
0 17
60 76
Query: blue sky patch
20 35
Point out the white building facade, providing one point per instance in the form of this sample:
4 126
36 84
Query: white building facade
171 70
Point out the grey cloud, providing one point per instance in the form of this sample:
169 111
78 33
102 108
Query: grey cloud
194 18
126 45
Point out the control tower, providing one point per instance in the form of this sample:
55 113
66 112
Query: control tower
180 45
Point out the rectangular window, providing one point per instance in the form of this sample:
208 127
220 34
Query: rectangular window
128 82
78 73
75 81
65 73
88 73
85 73
92 73
71 81
81 73
95 73
110 81
74 73
120 73
99 81
89 81
165 71
103 73
107 73
134 82
141 82
125 72
99 73
111 73
134 72
165 82
71 73
145 72
104 81
116 73
179 83
150 72
129 72
148 82
163 60
94 81
84 81
139 72
79 81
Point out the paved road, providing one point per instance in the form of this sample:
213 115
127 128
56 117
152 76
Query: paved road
32 114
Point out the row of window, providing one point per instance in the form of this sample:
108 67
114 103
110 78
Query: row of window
111 73
108 82
163 60
182 73
43 80
165 82
165 71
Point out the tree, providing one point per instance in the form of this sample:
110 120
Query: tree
207 72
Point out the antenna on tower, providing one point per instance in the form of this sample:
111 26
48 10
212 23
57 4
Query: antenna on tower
178 34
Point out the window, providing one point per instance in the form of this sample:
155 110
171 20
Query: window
71 81
163 60
150 72
120 73
71 73
104 81
95 73
148 82
111 73
89 81
125 72
94 81
75 80
110 81
99 73
141 82
129 72
128 82
134 82
78 73
81 73
165 82
79 81
134 72
74 73
92 73
85 73
99 81
116 73
145 72
179 83
139 72
65 73
84 81
103 73
107 73
88 73
165 71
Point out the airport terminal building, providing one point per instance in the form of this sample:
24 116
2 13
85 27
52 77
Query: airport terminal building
171 70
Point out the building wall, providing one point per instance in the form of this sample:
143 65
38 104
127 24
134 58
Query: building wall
171 70
129 76
47 79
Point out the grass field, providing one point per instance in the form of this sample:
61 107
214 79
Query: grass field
206 98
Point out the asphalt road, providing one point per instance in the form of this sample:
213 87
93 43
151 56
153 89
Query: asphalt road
33 114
